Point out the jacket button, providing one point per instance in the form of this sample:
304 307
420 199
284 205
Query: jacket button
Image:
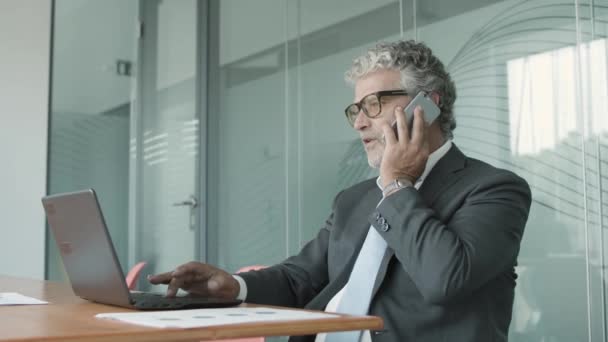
385 227
382 221
376 215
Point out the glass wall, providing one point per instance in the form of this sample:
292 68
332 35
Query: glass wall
532 85
164 139
93 51
531 78
126 102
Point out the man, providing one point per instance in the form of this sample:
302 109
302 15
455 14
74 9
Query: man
430 246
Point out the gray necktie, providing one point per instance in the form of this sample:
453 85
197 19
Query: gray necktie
358 291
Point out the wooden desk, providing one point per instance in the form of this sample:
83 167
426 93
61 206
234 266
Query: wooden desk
70 318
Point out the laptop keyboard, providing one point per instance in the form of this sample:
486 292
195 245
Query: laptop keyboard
157 301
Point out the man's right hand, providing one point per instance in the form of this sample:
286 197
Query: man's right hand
198 279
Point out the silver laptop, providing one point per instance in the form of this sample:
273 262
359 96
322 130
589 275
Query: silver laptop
90 260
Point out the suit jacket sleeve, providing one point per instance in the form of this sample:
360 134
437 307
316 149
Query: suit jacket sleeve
297 280
448 260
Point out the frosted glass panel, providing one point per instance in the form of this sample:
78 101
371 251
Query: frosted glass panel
284 148
251 146
91 151
522 90
165 141
90 112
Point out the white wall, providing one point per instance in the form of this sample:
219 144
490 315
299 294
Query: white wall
25 27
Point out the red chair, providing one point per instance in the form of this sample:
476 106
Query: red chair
250 268
249 339
133 274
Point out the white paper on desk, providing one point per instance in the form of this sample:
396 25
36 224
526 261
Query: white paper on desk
210 317
13 298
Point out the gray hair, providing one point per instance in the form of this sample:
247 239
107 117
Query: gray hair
420 71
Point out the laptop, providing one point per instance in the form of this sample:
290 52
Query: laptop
90 260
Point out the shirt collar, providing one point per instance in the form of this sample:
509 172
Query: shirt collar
430 163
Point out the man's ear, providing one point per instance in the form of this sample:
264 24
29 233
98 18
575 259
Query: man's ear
435 98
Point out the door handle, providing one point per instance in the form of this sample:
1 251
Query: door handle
192 202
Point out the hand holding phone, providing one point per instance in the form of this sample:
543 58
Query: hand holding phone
424 100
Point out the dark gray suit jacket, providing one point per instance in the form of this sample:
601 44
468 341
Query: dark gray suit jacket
448 274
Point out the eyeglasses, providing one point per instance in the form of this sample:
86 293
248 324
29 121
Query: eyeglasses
370 104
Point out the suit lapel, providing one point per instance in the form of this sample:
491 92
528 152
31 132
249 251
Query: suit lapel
359 223
358 232
441 175
320 301
439 178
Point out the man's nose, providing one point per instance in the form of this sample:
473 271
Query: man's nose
361 122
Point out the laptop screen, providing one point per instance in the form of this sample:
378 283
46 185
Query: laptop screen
77 224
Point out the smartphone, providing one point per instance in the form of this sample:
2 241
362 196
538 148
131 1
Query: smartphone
424 100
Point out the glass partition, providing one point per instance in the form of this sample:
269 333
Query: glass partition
126 121
531 78
93 53
164 164
531 83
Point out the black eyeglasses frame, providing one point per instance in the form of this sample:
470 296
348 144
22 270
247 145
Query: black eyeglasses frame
359 105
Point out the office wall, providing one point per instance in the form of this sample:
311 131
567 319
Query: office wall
24 79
